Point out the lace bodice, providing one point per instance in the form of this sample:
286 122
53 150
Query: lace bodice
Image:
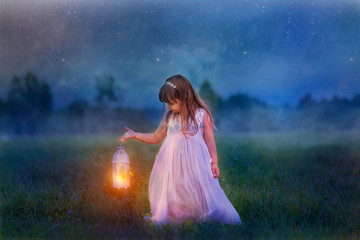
174 124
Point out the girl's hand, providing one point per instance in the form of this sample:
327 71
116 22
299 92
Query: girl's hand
129 134
215 170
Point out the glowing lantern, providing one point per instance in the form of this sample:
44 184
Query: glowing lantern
121 169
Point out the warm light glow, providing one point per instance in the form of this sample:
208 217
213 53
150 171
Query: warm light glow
121 177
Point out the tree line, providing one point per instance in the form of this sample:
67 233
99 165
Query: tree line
243 113
28 110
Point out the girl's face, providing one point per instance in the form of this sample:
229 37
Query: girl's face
175 107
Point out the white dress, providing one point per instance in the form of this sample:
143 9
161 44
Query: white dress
182 186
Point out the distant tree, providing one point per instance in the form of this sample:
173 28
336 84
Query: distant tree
341 103
2 115
306 102
324 102
210 96
76 112
356 101
77 108
29 103
243 101
16 106
106 90
2 107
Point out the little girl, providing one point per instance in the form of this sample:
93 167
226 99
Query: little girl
183 182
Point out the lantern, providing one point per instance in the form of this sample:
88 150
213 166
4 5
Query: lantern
121 169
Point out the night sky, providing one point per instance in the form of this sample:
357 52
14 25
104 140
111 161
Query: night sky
274 50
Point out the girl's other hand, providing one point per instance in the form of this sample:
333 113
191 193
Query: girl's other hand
129 134
215 170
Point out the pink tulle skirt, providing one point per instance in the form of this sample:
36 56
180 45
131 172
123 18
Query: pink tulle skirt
182 186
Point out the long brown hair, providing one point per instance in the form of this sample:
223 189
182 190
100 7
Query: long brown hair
188 97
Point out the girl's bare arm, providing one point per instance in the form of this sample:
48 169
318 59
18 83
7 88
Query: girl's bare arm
152 138
210 143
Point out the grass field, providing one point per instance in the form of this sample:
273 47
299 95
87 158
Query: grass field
283 185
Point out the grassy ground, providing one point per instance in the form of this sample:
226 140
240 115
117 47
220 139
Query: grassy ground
284 185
